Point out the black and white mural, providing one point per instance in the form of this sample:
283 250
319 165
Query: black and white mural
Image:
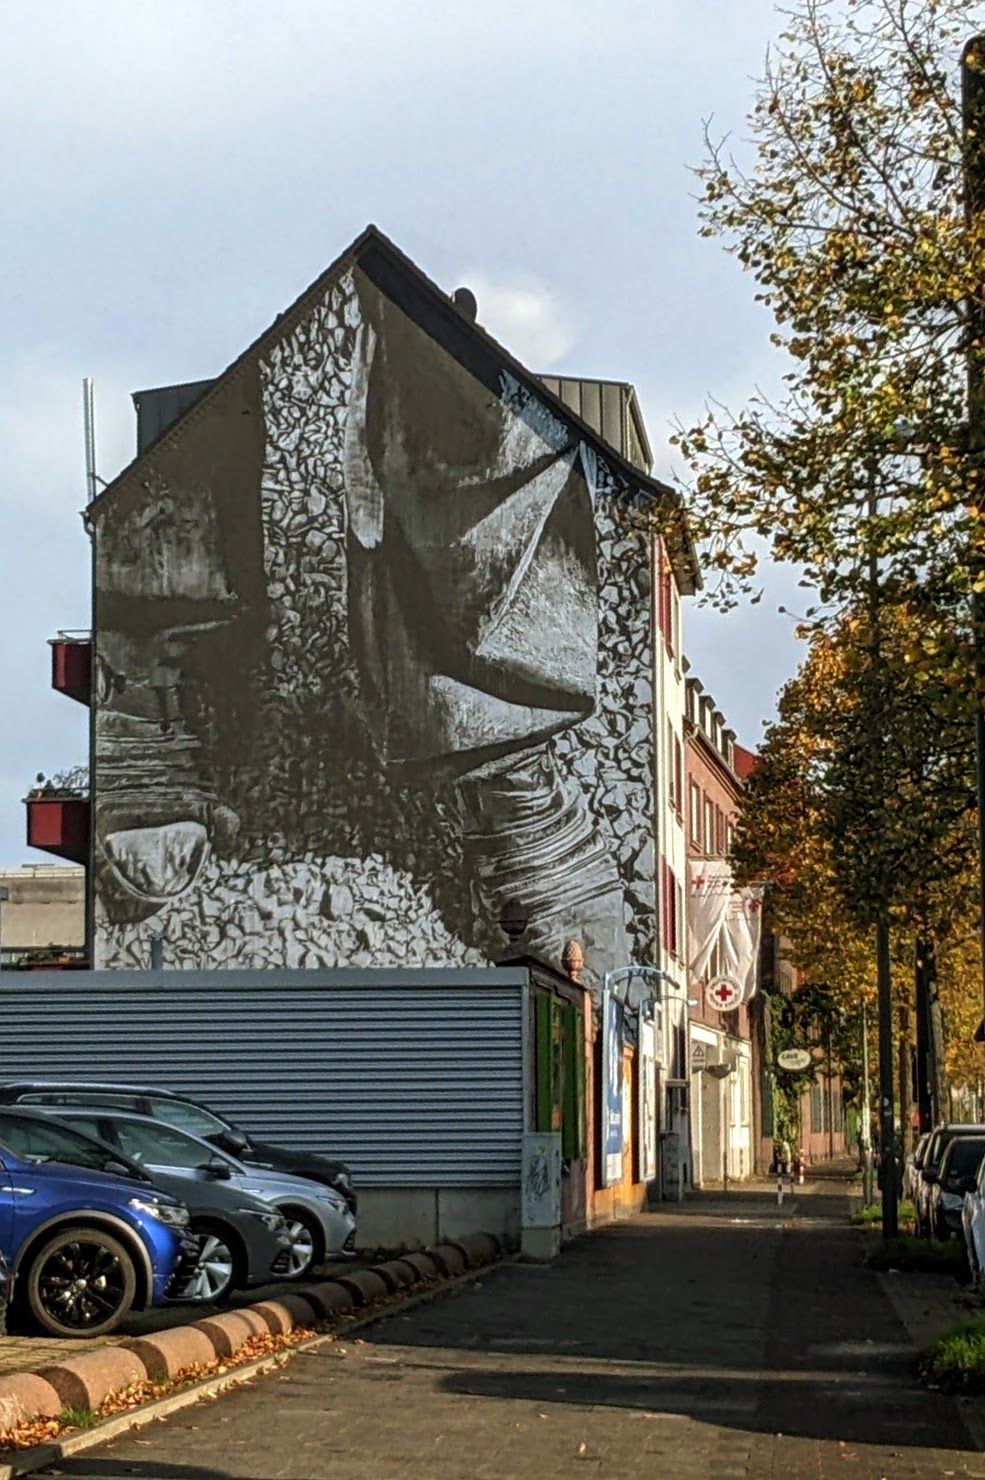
374 657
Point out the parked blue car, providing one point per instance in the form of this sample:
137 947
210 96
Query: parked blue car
4 1292
84 1246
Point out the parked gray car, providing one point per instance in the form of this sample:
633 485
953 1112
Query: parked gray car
940 1138
319 1220
242 1241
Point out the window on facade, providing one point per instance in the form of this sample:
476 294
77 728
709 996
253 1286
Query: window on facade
817 1109
678 775
729 837
671 918
709 839
673 792
675 627
719 830
694 808
665 619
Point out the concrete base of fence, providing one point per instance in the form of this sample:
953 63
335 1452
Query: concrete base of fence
86 1381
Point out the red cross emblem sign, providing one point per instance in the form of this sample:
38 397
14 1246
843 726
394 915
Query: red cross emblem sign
724 994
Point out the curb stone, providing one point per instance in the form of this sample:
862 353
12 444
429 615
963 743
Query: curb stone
88 1380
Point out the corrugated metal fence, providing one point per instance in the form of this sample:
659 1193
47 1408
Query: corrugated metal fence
412 1077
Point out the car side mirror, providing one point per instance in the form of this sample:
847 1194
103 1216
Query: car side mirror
117 1169
217 1169
234 1141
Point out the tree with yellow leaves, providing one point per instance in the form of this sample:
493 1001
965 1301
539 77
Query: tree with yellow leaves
851 219
852 822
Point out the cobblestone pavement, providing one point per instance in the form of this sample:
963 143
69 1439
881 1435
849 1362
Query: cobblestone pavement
720 1337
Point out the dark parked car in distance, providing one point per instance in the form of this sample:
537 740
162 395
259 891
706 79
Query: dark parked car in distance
940 1138
957 1174
186 1115
242 1240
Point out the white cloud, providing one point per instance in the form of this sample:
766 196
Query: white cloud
526 318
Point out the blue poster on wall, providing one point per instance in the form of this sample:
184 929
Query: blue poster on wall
612 1090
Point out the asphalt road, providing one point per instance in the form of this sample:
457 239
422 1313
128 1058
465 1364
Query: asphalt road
716 1338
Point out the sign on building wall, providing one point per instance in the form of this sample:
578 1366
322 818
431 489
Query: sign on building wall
646 1112
612 1090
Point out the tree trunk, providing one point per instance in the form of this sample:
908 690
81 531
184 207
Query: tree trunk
905 1071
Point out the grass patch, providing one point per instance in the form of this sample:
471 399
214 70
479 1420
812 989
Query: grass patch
955 1362
866 1216
870 1216
78 1416
928 1254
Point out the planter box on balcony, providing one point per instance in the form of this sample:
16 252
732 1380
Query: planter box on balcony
60 825
71 666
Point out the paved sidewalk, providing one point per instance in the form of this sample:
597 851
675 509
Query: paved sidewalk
23 1350
721 1337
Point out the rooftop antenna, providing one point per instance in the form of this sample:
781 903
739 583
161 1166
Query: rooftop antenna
89 424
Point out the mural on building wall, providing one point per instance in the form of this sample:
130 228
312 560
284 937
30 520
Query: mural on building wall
373 658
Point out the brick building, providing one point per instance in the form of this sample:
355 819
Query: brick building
721 1047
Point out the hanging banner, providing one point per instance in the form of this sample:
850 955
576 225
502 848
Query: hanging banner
612 1090
722 916
646 1103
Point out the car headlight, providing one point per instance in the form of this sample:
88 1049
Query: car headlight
171 1213
326 1194
276 1222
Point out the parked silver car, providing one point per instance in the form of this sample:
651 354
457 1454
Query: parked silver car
319 1220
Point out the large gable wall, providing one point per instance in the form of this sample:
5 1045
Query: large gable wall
373 645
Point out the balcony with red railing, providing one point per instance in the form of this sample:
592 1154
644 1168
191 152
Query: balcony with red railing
71 665
58 815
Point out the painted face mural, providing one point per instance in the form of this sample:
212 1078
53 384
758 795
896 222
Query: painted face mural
365 671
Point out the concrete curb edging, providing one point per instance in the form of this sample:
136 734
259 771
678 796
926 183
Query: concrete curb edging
86 1381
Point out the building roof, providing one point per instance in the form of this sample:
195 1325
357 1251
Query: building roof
404 282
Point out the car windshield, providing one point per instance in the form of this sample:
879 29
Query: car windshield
151 1144
963 1157
40 1141
941 1140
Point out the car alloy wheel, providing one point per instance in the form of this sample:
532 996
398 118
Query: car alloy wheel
213 1274
301 1254
81 1283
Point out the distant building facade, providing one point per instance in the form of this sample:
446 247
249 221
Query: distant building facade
721 1047
42 916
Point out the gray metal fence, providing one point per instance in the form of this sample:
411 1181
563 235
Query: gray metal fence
412 1077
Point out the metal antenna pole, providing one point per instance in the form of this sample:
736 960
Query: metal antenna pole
89 426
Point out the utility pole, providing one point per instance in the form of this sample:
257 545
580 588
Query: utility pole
866 1137
884 980
973 120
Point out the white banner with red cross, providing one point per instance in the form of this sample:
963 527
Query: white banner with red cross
720 915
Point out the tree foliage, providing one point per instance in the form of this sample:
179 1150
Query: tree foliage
851 220
862 803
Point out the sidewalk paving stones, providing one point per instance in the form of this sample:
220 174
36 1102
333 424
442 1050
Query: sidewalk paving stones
722 1336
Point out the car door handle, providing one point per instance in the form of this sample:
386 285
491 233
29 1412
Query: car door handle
22 1191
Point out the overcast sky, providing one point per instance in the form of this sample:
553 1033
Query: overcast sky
174 172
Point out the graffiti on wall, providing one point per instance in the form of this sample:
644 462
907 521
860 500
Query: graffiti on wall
373 658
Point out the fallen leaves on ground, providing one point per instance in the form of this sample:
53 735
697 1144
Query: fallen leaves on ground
47 1430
